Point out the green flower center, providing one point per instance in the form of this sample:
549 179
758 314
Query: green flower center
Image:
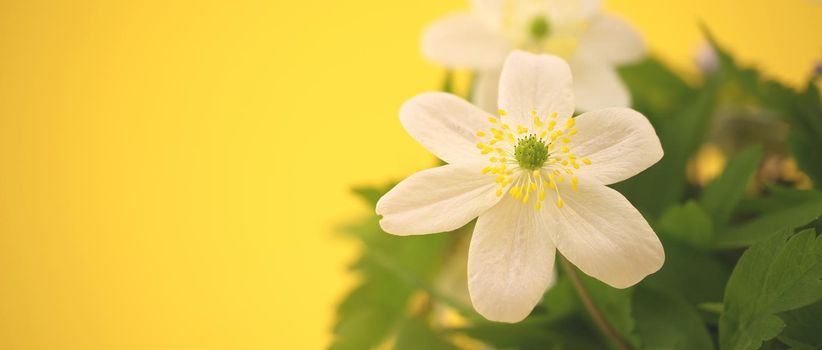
539 28
531 152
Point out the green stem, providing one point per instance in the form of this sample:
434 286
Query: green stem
606 328
448 81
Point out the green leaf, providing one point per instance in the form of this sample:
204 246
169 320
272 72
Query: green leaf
687 223
681 134
392 269
754 230
777 197
667 322
561 300
656 90
371 194
803 325
806 136
779 274
692 274
714 308
802 110
723 194
416 334
537 333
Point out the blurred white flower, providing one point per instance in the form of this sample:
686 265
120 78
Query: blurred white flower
593 43
537 180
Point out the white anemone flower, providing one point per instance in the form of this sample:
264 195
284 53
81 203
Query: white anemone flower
592 42
536 178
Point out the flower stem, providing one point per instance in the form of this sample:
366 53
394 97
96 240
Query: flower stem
606 328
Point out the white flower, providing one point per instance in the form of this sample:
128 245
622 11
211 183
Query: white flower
592 42
536 178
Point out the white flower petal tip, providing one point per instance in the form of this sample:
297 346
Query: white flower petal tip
535 84
601 233
436 200
612 40
510 262
463 40
619 142
597 85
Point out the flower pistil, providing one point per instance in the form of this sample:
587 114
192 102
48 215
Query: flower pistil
528 161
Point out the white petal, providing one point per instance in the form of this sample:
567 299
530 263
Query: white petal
600 232
572 10
597 85
510 261
437 200
486 89
612 40
445 124
490 11
540 83
464 40
619 142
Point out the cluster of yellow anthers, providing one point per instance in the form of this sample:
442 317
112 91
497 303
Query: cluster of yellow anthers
531 160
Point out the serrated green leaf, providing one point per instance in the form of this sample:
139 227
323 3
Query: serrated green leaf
687 223
416 334
803 327
779 274
754 230
723 194
664 321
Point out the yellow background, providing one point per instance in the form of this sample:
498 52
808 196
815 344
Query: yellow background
171 171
